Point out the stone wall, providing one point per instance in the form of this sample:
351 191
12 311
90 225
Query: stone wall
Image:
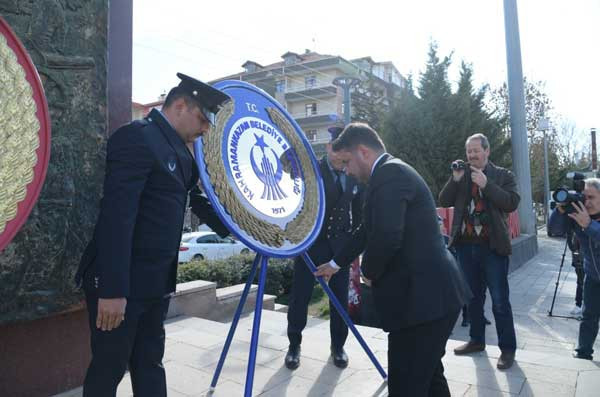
68 42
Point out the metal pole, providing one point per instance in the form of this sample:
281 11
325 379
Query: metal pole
256 326
347 102
594 153
344 315
516 97
546 180
234 324
346 82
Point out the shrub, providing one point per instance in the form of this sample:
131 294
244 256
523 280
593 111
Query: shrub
236 269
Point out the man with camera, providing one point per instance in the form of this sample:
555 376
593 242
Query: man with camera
483 195
584 213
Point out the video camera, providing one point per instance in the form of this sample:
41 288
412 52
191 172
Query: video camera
567 197
459 165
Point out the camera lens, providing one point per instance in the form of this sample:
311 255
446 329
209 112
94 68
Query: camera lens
561 195
458 165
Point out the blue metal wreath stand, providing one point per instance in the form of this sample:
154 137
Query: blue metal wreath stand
263 261
256 101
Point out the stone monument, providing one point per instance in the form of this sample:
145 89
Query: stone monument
40 308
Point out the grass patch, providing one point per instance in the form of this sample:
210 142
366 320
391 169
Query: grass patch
318 305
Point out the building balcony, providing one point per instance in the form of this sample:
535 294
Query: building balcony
315 118
318 140
300 93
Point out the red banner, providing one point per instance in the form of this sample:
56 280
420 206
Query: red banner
354 290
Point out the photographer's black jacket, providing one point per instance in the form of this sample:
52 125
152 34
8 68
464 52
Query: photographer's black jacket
149 172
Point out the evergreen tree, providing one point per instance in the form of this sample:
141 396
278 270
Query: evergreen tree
371 101
429 130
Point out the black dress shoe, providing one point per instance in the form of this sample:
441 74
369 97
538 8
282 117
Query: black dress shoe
487 322
469 347
506 360
292 358
340 358
581 356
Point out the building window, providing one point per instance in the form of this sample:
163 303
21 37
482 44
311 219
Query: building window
311 109
280 86
310 81
311 135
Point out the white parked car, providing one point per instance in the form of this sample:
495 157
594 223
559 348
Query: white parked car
208 245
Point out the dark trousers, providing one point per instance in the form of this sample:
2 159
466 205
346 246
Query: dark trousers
302 288
588 328
138 343
484 267
415 359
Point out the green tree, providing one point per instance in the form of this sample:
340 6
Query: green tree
371 101
429 129
556 173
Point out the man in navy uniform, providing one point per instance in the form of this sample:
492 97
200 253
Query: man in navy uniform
129 268
342 214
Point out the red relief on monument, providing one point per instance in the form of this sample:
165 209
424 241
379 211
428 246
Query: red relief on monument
24 134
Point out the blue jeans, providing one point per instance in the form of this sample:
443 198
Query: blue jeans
483 267
588 328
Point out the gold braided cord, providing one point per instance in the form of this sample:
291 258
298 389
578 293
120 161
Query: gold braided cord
19 134
265 232
299 228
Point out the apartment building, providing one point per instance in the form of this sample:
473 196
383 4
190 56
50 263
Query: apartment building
303 84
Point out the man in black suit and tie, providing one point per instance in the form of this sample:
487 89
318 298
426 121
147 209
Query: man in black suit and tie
129 268
342 214
418 288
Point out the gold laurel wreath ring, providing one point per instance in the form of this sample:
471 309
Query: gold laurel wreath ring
272 235
24 134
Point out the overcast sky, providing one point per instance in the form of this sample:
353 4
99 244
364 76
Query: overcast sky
211 39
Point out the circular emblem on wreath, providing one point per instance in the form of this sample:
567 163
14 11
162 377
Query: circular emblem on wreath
255 154
260 172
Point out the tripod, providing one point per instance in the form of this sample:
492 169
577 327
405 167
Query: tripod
562 262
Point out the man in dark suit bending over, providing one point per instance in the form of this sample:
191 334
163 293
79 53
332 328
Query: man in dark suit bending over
418 288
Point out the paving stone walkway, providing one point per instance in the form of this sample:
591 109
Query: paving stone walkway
544 366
